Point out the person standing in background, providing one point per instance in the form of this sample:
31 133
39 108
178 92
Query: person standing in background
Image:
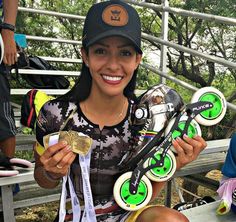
7 123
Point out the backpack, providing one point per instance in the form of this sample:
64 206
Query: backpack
31 104
39 81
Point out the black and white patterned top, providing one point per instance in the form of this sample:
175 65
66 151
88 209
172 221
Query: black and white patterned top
108 147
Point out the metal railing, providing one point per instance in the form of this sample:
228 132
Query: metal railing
163 41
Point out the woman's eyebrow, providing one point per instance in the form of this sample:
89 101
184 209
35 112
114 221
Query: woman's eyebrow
125 45
121 46
102 44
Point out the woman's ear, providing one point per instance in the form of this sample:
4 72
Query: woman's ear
138 60
84 56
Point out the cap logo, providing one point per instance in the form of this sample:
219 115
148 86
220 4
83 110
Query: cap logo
115 15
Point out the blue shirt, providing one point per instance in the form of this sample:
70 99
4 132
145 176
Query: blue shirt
229 167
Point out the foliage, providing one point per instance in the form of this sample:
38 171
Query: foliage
208 37
27 155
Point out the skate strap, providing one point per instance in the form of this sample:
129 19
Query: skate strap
162 108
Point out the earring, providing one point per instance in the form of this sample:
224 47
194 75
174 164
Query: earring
87 64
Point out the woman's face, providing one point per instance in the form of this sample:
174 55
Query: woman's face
111 62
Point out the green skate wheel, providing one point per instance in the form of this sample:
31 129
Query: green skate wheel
128 201
217 112
193 129
164 172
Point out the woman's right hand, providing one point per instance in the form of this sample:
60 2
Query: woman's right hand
57 159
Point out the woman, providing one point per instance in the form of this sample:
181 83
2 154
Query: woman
102 101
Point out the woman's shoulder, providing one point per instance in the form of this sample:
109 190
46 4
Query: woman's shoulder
55 106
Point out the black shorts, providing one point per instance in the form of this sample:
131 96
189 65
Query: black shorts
7 122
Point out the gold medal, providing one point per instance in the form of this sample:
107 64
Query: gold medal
65 136
79 142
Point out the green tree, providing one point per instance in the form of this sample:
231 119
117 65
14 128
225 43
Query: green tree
205 36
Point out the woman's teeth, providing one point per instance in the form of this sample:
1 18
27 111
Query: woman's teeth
112 78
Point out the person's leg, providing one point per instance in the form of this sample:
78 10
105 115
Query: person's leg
7 122
160 214
7 146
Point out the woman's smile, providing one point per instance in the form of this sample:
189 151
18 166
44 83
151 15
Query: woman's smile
113 80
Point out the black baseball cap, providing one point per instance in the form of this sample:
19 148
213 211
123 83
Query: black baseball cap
112 18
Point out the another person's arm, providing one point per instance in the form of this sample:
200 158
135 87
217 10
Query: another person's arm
10 8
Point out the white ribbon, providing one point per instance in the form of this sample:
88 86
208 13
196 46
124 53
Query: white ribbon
89 211
74 201
89 214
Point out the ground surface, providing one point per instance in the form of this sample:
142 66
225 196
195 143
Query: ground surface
46 213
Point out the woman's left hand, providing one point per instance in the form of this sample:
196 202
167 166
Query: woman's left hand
188 149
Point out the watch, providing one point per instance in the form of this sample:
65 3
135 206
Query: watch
7 26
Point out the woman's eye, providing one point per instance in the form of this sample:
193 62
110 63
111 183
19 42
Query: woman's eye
99 51
126 53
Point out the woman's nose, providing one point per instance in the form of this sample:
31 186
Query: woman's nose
113 62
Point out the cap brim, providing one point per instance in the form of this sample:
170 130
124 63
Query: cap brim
114 33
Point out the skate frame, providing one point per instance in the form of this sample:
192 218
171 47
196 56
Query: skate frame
191 111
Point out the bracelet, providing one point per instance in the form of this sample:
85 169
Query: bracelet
49 177
8 26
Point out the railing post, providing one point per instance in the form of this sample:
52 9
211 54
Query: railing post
164 36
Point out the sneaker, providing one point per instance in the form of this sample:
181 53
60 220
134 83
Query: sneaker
195 203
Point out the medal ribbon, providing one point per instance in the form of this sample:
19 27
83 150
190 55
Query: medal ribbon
89 214
89 211
74 201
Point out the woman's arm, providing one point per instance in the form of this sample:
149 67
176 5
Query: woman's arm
187 150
